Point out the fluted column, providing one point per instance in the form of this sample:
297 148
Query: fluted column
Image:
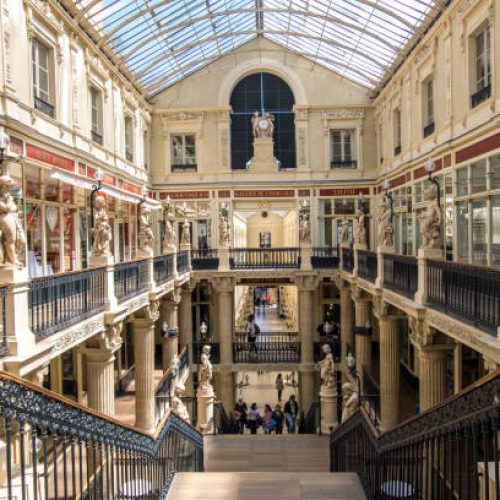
144 347
389 371
170 341
101 380
185 319
363 343
432 375
346 323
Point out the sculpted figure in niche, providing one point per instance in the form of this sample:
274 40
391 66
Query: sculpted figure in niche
205 374
169 237
385 224
12 237
146 236
327 367
304 229
360 232
101 230
224 231
185 236
345 231
350 401
430 226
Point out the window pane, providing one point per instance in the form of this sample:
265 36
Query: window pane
495 230
462 231
53 239
479 232
34 239
495 171
462 183
478 175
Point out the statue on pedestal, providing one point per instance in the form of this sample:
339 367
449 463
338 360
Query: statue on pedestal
146 236
345 231
304 229
12 237
350 401
430 226
178 407
385 230
169 238
185 235
224 235
101 230
262 126
327 368
205 371
360 230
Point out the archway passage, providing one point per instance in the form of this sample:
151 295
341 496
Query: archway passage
262 92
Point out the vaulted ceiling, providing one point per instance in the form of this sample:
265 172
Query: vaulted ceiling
162 41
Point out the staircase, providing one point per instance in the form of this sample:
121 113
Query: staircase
288 467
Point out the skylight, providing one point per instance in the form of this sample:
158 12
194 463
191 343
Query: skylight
162 41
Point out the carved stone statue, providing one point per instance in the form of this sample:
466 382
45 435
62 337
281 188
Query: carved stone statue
385 230
146 236
12 237
327 368
169 238
101 230
262 126
224 238
177 404
345 231
205 371
304 229
175 365
203 331
430 226
350 401
360 231
185 236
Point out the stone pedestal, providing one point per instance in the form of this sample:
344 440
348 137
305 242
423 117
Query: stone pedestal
422 256
205 405
305 257
432 375
106 261
223 253
263 156
389 372
328 399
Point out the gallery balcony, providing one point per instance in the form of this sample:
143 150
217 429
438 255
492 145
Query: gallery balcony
325 258
264 258
272 347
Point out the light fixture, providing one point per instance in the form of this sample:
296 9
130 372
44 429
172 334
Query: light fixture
429 168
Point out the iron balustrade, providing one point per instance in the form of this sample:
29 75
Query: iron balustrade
56 448
44 107
61 300
347 260
325 258
471 293
429 129
131 278
401 274
367 265
279 351
449 451
214 352
344 164
370 396
182 262
3 321
264 258
480 96
204 260
163 268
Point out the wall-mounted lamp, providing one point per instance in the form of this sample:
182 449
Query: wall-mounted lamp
429 168
98 176
386 185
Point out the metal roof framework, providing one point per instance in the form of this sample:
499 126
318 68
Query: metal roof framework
160 42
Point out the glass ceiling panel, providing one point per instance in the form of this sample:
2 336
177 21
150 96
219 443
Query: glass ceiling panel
163 41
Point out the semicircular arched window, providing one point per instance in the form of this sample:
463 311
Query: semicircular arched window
262 92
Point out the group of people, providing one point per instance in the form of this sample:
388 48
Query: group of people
270 420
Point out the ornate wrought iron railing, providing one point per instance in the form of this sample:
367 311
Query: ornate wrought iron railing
471 293
325 258
370 396
367 265
182 262
214 352
55 448
131 278
264 258
449 451
3 321
163 268
266 352
205 259
347 260
59 301
401 274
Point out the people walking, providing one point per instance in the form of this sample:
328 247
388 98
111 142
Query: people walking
252 331
267 421
240 413
291 412
279 386
278 418
254 418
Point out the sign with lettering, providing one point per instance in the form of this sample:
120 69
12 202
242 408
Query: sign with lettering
48 157
265 281
16 145
344 191
185 195
224 194
264 193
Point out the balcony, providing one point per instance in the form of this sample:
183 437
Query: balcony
325 258
347 260
44 107
264 258
3 333
344 164
429 129
131 278
96 137
163 268
278 351
367 265
204 260
182 262
188 167
401 274
471 293
480 96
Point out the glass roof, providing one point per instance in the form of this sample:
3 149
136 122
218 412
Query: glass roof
162 41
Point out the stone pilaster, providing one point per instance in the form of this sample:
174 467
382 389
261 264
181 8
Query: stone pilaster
432 374
389 371
186 319
170 341
346 323
144 347
363 343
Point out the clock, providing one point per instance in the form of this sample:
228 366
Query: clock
263 124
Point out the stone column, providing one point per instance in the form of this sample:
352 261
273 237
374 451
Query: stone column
144 350
363 344
432 375
389 371
186 319
346 334
101 380
170 341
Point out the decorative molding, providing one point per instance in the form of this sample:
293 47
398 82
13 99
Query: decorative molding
342 113
76 335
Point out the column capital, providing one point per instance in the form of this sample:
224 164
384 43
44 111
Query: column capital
359 296
307 282
109 339
100 355
421 334
223 284
435 351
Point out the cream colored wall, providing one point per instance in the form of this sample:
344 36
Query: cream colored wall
239 231
290 226
199 104
272 223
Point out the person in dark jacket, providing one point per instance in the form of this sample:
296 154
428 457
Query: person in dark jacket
291 412
240 413
278 417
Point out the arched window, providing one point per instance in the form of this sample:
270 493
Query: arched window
262 92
